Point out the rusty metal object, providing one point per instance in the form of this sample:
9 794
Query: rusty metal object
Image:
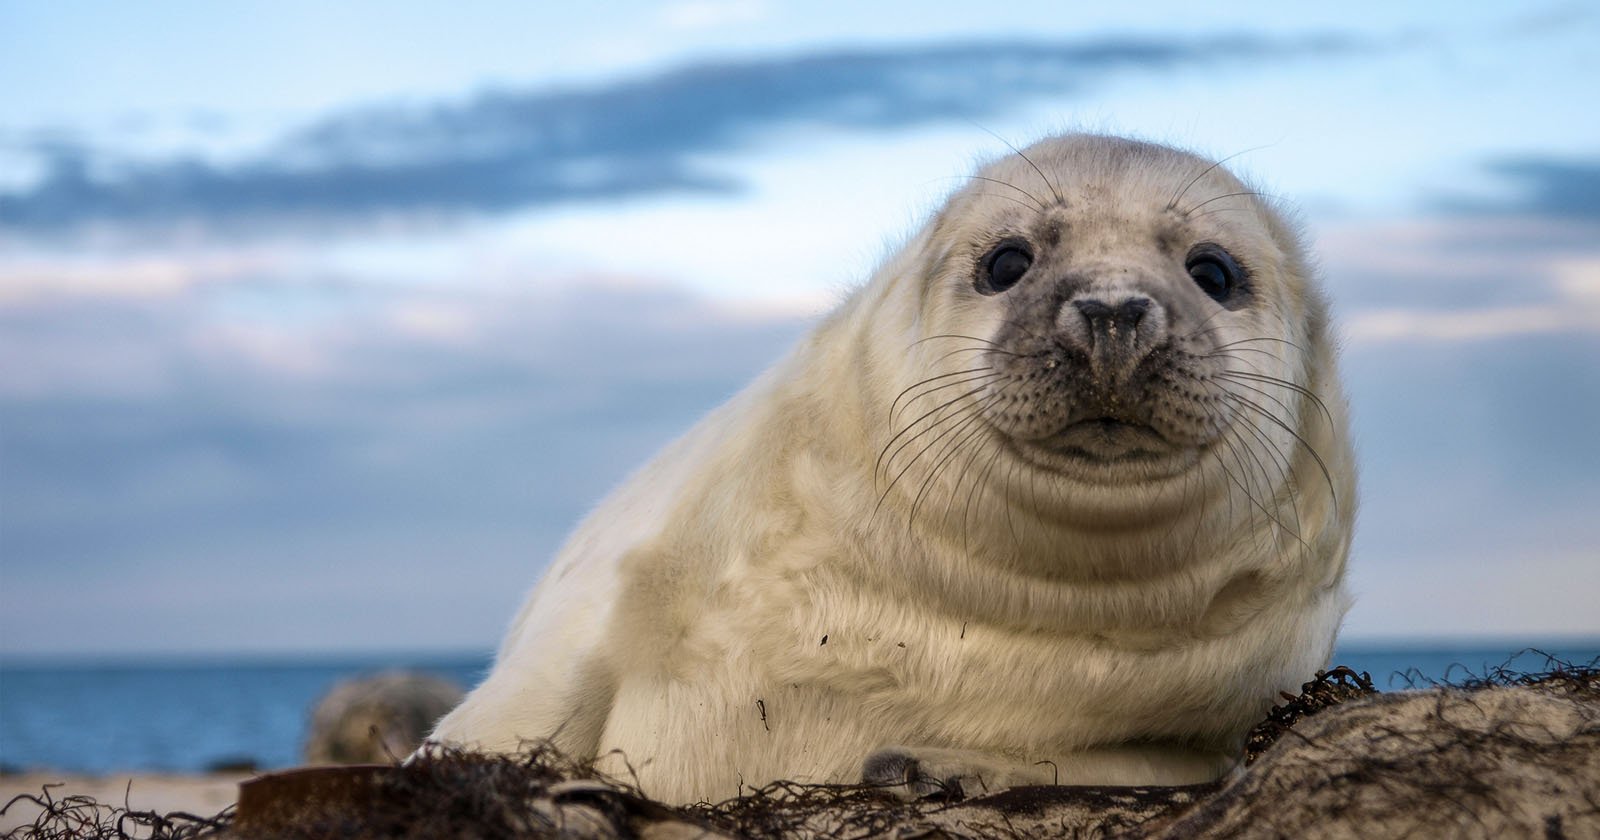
285 802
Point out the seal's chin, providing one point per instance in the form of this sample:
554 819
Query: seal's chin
1108 450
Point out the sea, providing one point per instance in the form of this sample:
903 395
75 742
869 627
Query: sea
190 716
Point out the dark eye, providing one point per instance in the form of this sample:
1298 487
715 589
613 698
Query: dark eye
1214 271
1004 268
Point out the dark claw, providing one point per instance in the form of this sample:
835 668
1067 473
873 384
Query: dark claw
889 768
900 769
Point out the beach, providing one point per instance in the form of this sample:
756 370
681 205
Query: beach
202 794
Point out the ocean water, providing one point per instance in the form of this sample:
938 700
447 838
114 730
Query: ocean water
102 718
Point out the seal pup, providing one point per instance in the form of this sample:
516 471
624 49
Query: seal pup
1063 493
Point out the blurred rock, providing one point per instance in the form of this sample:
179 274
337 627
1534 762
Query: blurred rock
378 718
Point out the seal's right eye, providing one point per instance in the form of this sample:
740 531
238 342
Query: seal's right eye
1004 268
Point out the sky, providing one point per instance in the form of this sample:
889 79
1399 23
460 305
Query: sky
321 324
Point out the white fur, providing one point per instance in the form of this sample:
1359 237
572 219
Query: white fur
1125 633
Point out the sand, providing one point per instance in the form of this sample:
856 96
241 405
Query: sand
204 794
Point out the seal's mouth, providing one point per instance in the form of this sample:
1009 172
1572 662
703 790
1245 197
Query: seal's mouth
1108 439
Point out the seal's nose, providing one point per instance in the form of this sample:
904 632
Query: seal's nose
1112 321
1114 330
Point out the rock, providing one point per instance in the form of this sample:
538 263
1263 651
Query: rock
377 719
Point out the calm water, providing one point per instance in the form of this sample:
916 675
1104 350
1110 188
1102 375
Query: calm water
186 717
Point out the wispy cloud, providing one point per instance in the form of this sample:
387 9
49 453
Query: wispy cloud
155 444
513 149
1477 269
1542 185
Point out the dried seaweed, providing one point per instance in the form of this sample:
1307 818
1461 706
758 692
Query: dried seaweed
1414 761
74 817
792 810
1329 688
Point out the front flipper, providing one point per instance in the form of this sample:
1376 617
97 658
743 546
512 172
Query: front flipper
915 772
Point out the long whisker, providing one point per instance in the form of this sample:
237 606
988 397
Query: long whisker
1257 338
1186 213
1246 490
1221 354
1282 383
881 465
1046 178
968 414
1037 204
1280 403
1285 478
941 460
1198 330
976 379
983 483
1192 181
1019 202
1310 450
956 335
1247 482
895 405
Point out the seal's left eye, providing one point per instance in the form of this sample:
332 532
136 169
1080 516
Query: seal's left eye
1214 271
1004 268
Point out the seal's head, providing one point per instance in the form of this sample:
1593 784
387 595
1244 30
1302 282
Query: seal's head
1116 314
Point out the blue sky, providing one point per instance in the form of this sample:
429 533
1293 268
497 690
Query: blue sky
320 324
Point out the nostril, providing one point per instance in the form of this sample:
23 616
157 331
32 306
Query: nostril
1126 314
1093 311
1132 311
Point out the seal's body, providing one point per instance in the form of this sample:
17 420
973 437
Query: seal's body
1063 494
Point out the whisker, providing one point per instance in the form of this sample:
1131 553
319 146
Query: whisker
1228 354
1192 181
985 378
956 335
894 405
1198 331
1246 490
1281 404
1266 479
1285 476
1019 202
968 414
1310 450
983 483
941 460
1285 384
913 424
1186 213
1037 204
1258 338
1221 210
1046 178
964 350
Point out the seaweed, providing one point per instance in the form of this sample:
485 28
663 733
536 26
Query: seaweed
1455 757
74 817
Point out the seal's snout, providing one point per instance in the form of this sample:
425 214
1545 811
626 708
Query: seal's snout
1107 320
1114 331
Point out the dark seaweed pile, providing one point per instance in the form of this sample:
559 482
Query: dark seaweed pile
450 793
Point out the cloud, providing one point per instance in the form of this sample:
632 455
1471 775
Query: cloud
1388 325
432 445
1543 186
1455 279
180 445
506 150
